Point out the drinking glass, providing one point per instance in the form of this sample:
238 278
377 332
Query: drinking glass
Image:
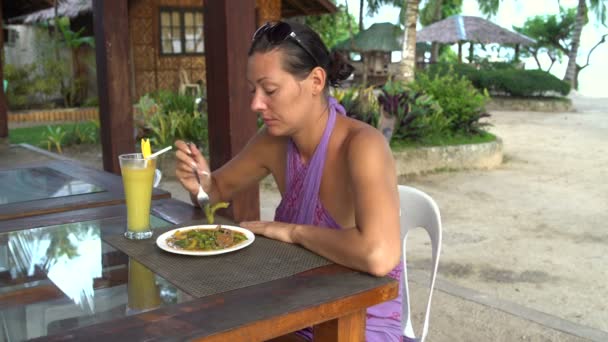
138 179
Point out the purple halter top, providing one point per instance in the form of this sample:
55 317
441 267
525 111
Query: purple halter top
301 204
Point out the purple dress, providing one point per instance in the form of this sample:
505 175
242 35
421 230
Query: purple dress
301 204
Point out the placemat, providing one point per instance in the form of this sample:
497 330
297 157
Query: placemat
262 261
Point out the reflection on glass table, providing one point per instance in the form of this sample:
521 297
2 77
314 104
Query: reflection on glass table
29 184
63 277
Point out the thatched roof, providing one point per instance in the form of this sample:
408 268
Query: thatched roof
15 8
459 28
74 8
385 37
66 8
292 8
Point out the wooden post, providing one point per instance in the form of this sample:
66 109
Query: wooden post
3 105
471 52
459 52
111 23
229 25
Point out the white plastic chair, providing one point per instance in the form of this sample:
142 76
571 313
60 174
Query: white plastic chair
418 210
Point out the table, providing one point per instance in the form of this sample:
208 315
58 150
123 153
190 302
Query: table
58 185
73 286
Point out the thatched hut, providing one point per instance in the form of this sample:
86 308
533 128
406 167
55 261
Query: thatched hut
459 29
375 45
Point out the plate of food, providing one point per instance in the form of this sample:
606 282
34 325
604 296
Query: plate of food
206 239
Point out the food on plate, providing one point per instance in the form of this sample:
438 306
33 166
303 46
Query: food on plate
205 239
211 209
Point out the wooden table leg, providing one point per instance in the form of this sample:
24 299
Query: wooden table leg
350 327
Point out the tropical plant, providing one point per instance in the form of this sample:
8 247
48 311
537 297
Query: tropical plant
166 116
551 33
599 8
418 115
360 103
54 137
332 28
461 102
73 87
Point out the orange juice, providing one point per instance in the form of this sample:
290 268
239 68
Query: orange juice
138 192
138 180
143 293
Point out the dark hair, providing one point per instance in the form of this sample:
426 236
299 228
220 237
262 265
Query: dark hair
303 52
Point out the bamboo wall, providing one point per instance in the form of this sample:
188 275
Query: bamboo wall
151 71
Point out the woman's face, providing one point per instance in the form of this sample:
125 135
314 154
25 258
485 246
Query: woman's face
282 101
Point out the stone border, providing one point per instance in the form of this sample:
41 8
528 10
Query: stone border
422 160
532 104
65 114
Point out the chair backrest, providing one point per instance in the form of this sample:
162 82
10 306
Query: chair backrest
183 77
418 210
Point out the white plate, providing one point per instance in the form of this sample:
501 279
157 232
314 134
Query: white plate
161 241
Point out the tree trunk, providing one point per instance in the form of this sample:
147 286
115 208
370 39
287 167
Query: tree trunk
437 15
407 66
581 17
361 2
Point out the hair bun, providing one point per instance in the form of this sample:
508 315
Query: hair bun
339 68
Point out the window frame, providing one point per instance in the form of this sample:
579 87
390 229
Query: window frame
182 27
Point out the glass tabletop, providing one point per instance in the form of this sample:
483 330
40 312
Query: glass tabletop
63 277
29 184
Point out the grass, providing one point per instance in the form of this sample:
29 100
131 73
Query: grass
444 141
37 135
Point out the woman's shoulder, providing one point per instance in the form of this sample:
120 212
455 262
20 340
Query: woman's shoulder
359 133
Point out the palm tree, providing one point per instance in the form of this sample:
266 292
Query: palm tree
407 66
599 7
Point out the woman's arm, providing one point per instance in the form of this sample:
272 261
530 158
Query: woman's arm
372 246
247 167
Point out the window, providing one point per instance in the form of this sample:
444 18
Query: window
181 31
10 37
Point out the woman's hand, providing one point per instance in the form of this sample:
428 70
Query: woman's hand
273 230
188 157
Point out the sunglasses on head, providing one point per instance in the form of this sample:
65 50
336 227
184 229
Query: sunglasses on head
277 32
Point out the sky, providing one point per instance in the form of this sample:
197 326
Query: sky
515 12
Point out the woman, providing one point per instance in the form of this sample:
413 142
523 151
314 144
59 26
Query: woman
336 175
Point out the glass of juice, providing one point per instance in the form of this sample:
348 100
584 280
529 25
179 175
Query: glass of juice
138 181
143 292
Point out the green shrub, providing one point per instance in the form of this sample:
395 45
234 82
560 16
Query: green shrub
419 116
423 121
165 117
174 102
505 79
360 103
24 83
461 102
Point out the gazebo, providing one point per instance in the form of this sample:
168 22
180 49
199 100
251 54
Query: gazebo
375 44
460 29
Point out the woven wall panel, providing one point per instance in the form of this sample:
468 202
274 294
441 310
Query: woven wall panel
190 3
185 63
198 74
268 10
146 83
143 57
141 8
142 31
167 63
168 80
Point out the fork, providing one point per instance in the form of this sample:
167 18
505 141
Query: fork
201 197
